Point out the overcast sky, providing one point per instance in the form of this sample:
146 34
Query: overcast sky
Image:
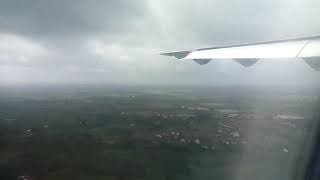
113 41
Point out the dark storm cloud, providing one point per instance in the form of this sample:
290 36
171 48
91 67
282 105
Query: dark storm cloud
64 27
117 41
62 18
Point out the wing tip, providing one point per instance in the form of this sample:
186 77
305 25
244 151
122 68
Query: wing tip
178 55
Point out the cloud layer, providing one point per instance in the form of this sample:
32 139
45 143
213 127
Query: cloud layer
118 41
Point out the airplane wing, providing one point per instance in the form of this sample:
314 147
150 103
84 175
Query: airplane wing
307 48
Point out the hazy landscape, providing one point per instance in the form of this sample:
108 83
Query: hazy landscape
120 132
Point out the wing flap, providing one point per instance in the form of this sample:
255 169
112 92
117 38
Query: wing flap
202 62
313 62
247 62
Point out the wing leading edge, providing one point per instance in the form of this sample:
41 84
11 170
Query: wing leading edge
307 48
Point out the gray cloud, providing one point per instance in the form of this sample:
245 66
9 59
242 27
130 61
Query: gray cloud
68 18
117 41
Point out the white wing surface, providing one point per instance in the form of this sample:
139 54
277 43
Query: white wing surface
307 48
